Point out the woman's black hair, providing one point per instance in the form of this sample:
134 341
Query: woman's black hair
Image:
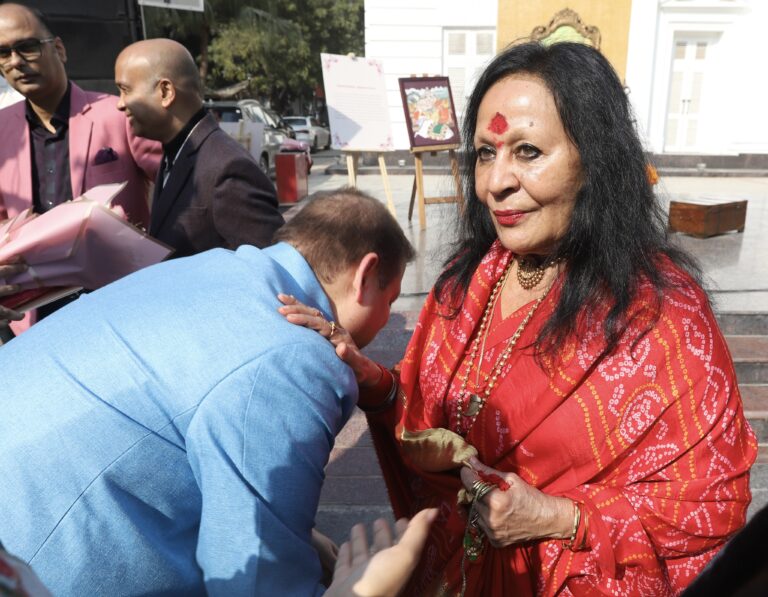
617 233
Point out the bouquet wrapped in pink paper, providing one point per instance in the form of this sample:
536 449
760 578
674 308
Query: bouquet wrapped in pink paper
79 244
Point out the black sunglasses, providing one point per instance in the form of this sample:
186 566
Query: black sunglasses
28 49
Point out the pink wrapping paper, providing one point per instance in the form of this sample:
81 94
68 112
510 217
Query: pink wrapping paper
81 243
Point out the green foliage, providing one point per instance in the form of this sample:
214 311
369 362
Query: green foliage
275 64
276 45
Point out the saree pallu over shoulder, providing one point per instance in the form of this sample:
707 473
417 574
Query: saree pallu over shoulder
650 438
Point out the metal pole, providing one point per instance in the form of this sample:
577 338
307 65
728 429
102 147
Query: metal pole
143 22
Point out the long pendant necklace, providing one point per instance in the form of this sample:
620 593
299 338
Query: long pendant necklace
469 404
473 542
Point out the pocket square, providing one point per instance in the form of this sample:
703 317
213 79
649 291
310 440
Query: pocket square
104 156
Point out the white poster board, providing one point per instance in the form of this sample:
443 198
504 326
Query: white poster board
356 96
197 5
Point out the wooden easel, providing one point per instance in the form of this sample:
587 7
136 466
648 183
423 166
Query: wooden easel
352 174
418 181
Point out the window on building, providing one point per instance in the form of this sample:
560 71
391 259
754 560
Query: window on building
466 52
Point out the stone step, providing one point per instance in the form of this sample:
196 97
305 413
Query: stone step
750 358
758 481
743 323
336 521
755 399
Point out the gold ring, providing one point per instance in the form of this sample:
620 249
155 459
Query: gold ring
333 329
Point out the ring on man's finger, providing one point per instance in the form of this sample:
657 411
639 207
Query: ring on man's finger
333 328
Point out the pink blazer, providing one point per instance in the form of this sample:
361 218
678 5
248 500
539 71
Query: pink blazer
95 124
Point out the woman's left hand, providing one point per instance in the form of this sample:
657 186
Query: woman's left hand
521 512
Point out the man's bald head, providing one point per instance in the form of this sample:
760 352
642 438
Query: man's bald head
160 87
167 59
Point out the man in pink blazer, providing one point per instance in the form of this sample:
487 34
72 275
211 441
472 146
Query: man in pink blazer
62 140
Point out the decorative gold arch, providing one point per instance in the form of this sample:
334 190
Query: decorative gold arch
566 25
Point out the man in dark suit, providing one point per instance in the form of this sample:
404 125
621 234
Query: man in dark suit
209 192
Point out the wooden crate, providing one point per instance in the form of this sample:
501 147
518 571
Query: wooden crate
707 217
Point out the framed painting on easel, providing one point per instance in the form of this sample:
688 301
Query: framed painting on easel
429 112
432 126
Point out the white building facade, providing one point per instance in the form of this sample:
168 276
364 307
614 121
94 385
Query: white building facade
695 73
694 67
429 37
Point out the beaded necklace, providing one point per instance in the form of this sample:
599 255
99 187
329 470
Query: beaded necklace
529 274
469 404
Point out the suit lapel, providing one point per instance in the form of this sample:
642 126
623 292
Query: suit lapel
80 129
25 155
180 173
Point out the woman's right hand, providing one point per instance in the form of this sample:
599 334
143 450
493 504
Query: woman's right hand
366 371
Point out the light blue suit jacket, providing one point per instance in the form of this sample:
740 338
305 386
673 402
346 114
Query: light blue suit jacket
168 433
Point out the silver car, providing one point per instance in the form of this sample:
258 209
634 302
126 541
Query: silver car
310 130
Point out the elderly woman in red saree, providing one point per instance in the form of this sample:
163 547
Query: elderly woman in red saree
567 400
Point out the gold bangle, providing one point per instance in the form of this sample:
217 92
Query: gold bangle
568 543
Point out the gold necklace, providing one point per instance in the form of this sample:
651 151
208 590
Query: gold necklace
529 274
475 402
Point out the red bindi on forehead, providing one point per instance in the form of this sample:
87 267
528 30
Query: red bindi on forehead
498 124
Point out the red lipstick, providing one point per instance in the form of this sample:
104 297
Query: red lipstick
509 217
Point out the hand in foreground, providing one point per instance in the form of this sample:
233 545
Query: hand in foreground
8 270
366 371
18 580
519 513
384 572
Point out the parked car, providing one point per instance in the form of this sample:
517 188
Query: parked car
310 130
232 111
274 140
281 125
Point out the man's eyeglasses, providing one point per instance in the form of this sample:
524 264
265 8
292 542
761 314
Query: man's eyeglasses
28 49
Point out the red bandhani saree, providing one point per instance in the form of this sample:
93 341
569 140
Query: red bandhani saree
651 439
